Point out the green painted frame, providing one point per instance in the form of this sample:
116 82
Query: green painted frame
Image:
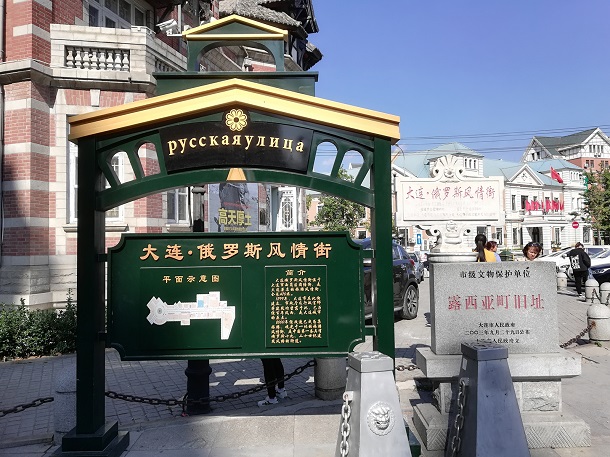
92 436
95 154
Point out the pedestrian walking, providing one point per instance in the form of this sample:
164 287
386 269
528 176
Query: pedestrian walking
580 263
273 370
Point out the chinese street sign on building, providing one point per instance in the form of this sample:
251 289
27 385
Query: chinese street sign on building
449 204
222 295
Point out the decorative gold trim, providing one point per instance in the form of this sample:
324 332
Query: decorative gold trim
214 97
205 28
236 175
235 37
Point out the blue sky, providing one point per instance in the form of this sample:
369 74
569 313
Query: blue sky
469 70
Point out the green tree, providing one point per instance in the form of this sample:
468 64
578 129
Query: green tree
337 213
597 201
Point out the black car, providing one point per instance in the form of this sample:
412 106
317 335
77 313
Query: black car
601 272
418 265
406 292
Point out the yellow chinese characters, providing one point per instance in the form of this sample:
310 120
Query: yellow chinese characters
206 251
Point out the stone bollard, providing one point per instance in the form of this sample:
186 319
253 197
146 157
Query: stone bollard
371 418
486 396
604 292
330 377
562 281
599 315
64 410
591 289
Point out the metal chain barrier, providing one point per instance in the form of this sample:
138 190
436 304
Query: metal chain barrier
23 407
577 337
205 400
456 441
346 412
410 367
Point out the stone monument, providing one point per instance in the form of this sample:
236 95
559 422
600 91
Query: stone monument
509 303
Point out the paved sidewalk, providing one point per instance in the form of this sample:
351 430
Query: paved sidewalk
300 426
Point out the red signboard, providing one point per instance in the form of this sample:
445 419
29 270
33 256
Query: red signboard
575 224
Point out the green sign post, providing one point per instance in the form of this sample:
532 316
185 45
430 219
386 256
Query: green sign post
189 296
168 297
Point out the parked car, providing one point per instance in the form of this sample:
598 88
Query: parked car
601 272
597 259
418 265
562 263
406 291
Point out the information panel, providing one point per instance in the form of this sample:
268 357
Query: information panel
297 306
213 295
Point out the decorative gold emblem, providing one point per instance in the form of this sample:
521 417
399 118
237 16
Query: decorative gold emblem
236 120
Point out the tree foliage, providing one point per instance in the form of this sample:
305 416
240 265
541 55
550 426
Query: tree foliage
597 200
337 213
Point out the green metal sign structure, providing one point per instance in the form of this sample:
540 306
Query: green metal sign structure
207 128
234 295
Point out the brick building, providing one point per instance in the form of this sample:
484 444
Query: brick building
76 56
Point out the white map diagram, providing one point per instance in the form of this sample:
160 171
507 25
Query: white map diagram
207 306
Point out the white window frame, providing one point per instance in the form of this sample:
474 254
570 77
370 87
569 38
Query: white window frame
116 214
286 217
72 182
120 23
175 195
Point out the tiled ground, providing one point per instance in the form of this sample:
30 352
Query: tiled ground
24 381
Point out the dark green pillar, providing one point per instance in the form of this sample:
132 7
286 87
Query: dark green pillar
381 219
92 435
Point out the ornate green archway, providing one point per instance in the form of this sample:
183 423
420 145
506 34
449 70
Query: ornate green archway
185 128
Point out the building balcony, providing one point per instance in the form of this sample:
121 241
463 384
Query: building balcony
537 215
97 57
99 53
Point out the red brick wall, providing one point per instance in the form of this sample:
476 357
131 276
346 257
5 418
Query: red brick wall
71 245
109 99
67 11
77 97
26 203
112 240
27 125
29 45
28 166
27 241
151 206
148 230
30 124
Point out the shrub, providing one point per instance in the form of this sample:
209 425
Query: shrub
25 333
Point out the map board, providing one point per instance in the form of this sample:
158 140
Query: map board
222 295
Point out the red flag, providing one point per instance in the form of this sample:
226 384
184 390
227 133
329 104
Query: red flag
556 176
528 206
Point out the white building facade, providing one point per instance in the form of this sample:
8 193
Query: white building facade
537 207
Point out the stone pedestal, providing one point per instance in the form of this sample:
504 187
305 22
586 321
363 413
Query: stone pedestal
374 424
512 304
537 383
